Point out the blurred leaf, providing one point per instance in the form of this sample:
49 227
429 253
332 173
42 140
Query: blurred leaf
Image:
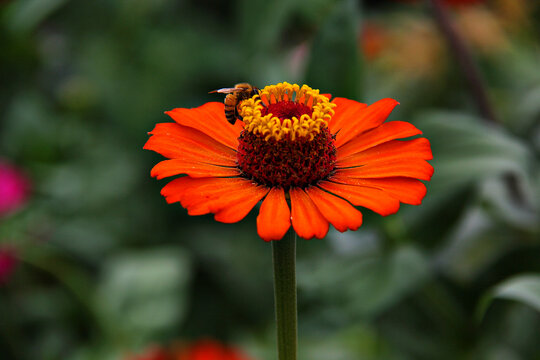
521 288
262 28
87 238
388 280
237 265
133 10
475 243
31 127
24 15
355 342
518 329
165 72
43 304
73 277
503 205
362 243
315 11
334 65
98 352
465 150
145 292
416 339
94 352
363 286
358 341
262 22
437 217
528 110
501 352
92 180
471 161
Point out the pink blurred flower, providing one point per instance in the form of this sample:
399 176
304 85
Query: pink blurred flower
14 188
8 262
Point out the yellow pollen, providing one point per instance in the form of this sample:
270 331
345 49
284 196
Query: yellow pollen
271 126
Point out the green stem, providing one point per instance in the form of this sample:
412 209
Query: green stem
284 256
476 84
465 60
46 259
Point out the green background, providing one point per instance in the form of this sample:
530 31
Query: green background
107 267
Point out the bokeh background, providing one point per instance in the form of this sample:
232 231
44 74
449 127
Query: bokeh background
95 265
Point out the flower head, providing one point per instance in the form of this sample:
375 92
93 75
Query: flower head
310 160
373 39
200 350
210 350
14 188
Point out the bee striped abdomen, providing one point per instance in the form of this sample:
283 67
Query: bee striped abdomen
235 96
230 108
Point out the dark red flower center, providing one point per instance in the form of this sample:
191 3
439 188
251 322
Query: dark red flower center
287 110
300 162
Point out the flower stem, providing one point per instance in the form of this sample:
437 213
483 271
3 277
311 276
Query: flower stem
284 256
465 61
476 84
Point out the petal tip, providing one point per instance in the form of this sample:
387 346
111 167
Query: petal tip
388 99
430 172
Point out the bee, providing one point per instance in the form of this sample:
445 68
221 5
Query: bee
235 96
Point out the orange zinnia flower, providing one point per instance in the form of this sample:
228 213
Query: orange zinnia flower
210 350
200 350
294 146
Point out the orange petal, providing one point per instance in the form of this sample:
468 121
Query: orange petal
180 142
336 210
234 206
412 168
355 123
406 190
208 199
388 131
210 120
274 216
344 111
195 169
190 191
398 150
307 220
229 198
368 197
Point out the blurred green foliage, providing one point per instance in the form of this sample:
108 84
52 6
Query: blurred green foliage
107 267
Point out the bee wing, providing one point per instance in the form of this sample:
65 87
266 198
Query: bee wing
224 90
